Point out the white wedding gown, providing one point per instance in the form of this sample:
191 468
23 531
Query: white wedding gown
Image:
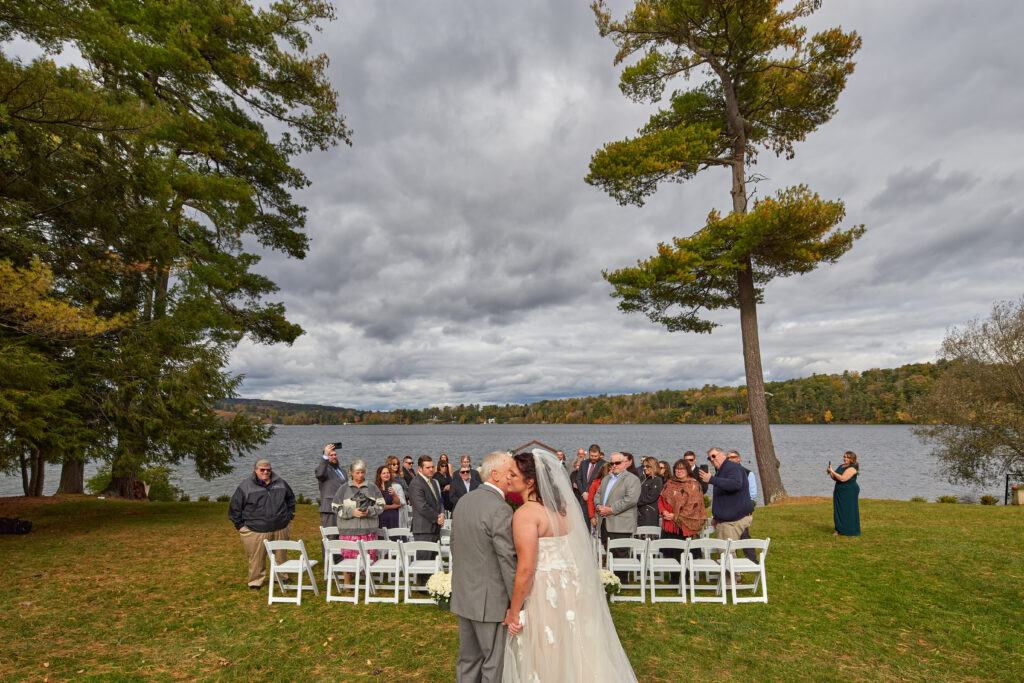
568 633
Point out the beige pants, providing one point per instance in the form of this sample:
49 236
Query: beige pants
252 541
733 530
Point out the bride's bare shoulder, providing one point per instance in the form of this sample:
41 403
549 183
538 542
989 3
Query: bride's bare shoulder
529 511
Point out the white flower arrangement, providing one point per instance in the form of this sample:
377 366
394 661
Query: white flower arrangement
439 586
611 583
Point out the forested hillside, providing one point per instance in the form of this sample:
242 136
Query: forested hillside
869 397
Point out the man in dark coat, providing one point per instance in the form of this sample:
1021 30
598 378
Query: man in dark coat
261 509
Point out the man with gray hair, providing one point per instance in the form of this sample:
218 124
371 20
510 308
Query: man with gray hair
731 506
261 509
483 573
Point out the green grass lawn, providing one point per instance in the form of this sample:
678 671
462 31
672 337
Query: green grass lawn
117 590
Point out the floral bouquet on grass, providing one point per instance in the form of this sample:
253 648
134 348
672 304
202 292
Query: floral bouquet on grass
611 583
439 586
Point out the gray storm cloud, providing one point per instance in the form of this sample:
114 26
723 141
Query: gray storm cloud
456 252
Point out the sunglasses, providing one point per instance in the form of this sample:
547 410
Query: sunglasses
264 469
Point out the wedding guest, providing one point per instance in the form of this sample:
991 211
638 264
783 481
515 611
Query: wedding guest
731 506
594 485
389 515
845 504
427 508
630 465
398 487
462 484
262 508
358 504
681 505
749 553
329 477
586 473
565 463
407 471
443 477
615 504
650 490
466 461
664 470
691 461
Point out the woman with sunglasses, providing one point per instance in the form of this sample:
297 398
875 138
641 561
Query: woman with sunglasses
650 490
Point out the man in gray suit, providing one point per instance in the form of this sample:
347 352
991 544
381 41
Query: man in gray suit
330 477
483 571
615 502
427 507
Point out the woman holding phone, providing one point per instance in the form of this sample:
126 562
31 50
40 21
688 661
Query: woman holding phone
845 505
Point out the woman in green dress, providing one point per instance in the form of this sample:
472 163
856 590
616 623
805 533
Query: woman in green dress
845 510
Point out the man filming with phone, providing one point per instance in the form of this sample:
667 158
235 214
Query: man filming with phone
330 477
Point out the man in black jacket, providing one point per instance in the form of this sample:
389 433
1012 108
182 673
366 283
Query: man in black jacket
261 509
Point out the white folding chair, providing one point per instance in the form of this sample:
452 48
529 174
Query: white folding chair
327 533
425 567
387 564
300 566
658 564
345 565
635 562
398 534
651 532
709 565
446 548
741 565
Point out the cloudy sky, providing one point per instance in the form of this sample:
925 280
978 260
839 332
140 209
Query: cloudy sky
456 252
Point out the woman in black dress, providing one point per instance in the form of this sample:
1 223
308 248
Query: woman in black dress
389 517
650 490
443 477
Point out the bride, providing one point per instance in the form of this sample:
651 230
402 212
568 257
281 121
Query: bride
560 628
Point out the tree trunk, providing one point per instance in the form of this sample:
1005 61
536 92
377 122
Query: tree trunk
764 449
36 476
24 473
72 477
125 486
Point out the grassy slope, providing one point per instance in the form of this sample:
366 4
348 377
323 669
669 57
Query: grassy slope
120 590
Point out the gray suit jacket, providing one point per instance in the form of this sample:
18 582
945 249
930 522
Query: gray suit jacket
483 556
425 506
329 483
622 500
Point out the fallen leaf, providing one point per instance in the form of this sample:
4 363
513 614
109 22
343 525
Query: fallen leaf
46 665
25 604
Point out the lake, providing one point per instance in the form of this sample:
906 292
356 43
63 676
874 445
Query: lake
894 464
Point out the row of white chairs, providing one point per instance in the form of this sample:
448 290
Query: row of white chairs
647 561
328 533
375 567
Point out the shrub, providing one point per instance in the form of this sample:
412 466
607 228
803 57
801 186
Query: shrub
224 499
918 499
184 498
302 500
161 489
988 500
204 499
707 502
946 499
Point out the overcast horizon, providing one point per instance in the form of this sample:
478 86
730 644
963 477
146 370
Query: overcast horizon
456 252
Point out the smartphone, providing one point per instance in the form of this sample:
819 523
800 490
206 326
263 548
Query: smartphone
336 445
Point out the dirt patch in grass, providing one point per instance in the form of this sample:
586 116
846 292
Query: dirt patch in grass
15 506
802 500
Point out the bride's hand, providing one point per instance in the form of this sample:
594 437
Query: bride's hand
512 621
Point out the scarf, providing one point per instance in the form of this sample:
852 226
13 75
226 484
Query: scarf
686 500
